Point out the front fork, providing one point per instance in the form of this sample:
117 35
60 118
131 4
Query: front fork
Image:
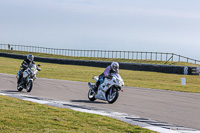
111 89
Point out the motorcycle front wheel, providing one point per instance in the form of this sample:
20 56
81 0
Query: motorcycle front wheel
29 86
91 95
112 95
19 88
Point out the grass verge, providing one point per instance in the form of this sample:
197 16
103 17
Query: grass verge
19 116
85 74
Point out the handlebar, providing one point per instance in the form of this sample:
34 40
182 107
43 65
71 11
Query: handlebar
39 69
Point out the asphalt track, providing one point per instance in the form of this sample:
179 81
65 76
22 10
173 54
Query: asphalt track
173 107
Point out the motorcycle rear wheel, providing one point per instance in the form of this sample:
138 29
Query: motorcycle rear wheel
91 95
29 86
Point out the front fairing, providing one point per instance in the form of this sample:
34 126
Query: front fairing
117 79
32 70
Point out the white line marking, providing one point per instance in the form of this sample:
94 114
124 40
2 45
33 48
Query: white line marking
36 101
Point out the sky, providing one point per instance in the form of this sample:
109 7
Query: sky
171 26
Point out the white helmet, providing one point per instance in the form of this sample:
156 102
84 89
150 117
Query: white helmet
30 57
115 66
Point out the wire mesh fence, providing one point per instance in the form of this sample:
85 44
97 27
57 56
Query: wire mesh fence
136 55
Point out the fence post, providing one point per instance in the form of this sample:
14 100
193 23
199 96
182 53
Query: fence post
128 54
87 52
112 54
156 56
65 52
146 56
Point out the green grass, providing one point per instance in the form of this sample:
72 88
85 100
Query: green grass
19 116
131 78
100 59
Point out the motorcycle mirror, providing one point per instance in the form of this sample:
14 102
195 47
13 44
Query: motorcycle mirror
39 65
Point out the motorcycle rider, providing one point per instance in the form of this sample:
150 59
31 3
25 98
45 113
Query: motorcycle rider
24 66
113 68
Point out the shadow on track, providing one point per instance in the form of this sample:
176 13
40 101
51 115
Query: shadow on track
87 101
12 91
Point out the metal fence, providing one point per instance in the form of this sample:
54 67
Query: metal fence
137 55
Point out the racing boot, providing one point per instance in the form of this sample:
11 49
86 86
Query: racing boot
21 84
95 88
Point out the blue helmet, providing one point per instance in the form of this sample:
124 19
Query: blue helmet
30 57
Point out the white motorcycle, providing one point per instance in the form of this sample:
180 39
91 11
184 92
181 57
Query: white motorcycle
108 90
29 75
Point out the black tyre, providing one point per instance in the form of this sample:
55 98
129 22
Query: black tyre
112 95
19 88
91 95
29 86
